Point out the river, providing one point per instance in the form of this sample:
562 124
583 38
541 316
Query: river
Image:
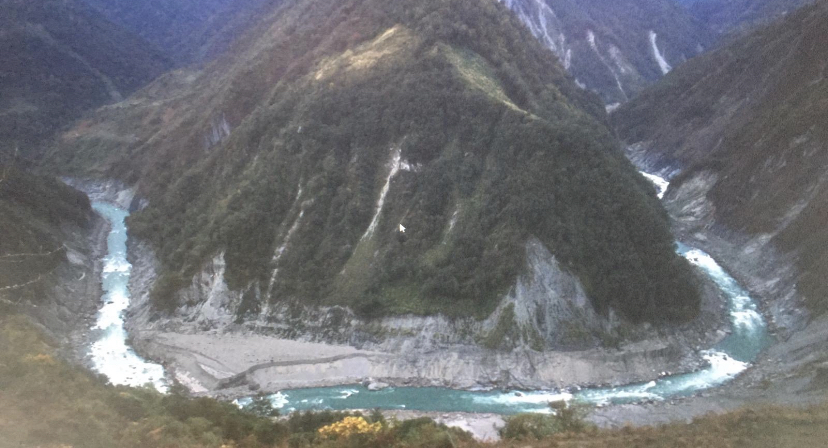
748 337
110 354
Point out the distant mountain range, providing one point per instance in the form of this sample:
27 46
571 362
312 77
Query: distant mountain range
724 16
60 58
187 31
615 48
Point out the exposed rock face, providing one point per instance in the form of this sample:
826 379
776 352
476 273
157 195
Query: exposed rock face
755 260
614 48
547 308
59 288
294 346
768 273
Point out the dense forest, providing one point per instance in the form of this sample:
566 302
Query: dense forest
491 130
33 212
59 60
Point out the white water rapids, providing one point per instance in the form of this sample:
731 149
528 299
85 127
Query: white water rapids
112 356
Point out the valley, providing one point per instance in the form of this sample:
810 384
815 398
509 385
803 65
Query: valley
189 358
543 221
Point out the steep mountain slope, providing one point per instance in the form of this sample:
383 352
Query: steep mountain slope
32 211
47 253
59 59
185 30
615 48
747 124
288 167
724 16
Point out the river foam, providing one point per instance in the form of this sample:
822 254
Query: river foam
724 362
110 354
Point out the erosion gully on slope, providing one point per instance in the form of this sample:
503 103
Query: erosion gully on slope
113 358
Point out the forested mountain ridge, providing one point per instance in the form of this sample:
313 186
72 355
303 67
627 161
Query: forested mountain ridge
295 158
59 59
751 114
615 48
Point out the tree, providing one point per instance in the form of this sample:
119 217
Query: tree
262 406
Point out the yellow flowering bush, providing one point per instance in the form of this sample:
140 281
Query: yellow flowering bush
348 427
40 358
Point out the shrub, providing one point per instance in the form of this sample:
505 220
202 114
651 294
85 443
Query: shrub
349 426
565 417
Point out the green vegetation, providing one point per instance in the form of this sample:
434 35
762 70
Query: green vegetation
506 327
565 418
49 403
487 118
755 427
751 113
61 59
33 213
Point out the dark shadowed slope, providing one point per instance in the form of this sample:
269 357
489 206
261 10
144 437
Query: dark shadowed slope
58 59
185 30
753 113
36 213
724 16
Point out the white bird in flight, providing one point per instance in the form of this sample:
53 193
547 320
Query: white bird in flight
402 229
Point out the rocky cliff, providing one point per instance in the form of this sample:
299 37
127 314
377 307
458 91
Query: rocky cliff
50 257
615 48
543 334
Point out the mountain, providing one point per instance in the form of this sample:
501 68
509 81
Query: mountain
724 16
746 124
59 59
32 211
286 168
185 30
47 263
615 48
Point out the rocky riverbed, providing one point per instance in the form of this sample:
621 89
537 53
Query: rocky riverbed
231 359
218 357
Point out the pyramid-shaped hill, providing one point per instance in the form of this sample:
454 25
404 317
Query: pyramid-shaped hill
289 165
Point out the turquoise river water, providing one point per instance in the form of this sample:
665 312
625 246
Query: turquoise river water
114 358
